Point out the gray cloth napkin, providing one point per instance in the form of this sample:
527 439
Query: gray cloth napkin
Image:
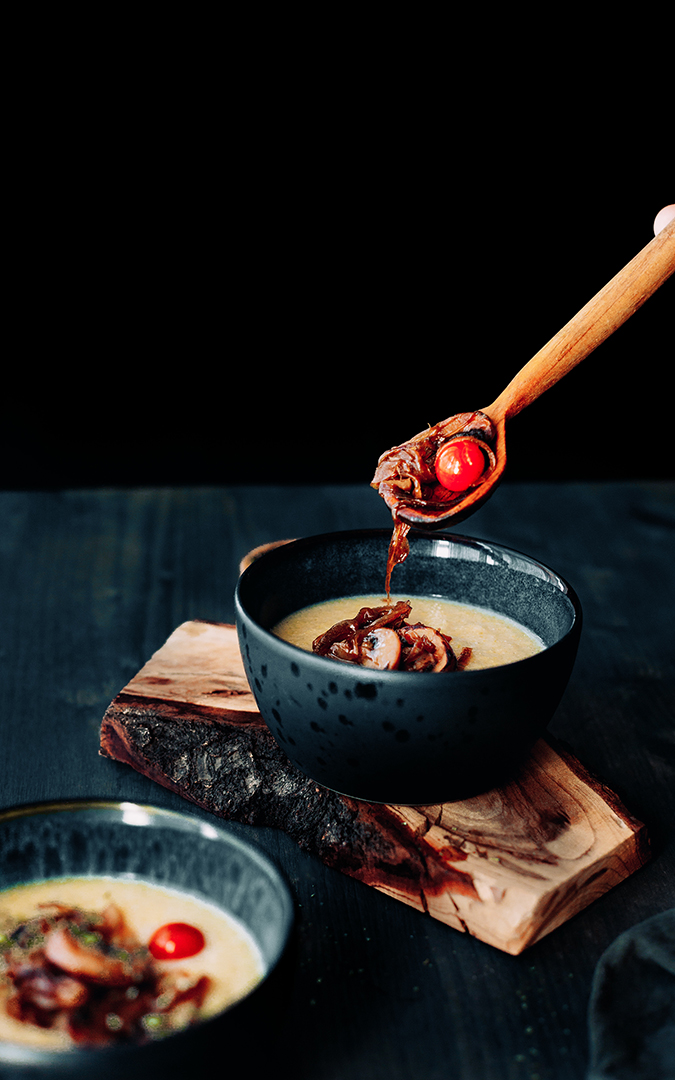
631 1012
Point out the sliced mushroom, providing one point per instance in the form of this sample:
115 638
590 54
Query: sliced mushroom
380 649
424 649
64 951
343 640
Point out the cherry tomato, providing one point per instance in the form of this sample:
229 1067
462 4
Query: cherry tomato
175 941
459 464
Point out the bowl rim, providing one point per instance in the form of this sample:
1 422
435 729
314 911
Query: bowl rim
145 813
327 664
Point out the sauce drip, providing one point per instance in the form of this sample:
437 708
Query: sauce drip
399 549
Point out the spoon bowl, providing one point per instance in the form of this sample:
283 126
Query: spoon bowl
405 476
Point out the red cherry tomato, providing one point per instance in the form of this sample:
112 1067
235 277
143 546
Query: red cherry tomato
175 941
459 464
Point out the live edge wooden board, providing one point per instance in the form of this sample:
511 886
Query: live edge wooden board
508 866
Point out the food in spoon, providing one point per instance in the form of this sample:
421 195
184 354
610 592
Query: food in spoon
84 962
424 474
407 476
415 634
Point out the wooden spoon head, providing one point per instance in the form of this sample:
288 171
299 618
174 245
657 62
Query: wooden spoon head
407 483
466 502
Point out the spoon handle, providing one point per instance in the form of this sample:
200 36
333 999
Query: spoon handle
600 317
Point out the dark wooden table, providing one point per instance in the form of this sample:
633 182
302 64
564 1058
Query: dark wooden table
92 582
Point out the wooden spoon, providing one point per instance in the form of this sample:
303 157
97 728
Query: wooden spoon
402 471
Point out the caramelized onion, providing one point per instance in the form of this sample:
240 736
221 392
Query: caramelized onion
381 638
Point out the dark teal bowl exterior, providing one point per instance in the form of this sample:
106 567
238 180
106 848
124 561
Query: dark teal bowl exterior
396 737
177 851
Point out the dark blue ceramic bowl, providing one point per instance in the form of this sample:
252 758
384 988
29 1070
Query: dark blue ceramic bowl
42 842
397 737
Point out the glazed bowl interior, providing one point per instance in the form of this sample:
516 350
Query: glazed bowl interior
176 851
391 736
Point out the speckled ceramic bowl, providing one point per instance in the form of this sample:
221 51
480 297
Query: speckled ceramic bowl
177 851
390 736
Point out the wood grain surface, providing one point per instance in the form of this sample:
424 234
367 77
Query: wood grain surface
508 866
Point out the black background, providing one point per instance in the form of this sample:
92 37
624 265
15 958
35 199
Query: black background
281 296
223 269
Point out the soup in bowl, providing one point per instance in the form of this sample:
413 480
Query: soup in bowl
134 941
396 735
